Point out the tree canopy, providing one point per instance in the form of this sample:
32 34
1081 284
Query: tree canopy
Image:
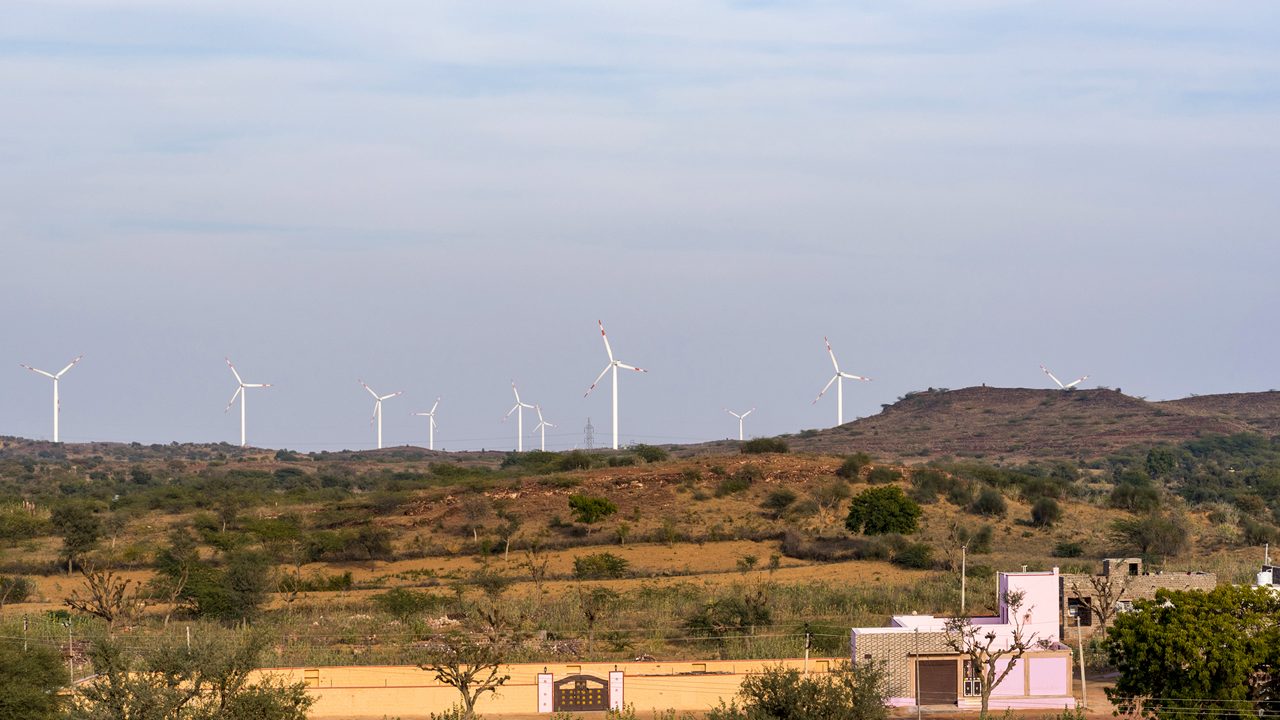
1198 653
883 510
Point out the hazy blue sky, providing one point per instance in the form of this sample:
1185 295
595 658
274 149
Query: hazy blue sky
440 197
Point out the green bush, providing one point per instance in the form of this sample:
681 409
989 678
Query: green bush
650 453
926 483
622 460
917 556
883 476
883 510
588 509
15 589
1069 549
779 500
741 479
737 614
853 465
575 460
989 503
32 681
599 566
759 446
404 604
1045 512
846 693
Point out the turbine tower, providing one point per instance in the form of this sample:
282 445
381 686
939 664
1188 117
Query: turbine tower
542 427
613 365
240 393
1069 385
838 379
431 427
741 417
55 377
377 408
518 408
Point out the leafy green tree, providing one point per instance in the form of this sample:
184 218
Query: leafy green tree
735 614
882 510
845 693
650 453
80 531
588 509
29 682
852 466
167 680
599 566
1198 654
1152 534
404 604
989 503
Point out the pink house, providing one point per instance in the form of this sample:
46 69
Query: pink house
922 669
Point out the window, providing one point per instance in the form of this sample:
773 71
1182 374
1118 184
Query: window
1124 606
1079 609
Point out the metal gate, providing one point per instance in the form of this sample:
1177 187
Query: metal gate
581 692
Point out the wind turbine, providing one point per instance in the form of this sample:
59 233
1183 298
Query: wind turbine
542 427
431 431
518 409
613 365
1069 385
377 408
838 379
740 419
55 377
240 393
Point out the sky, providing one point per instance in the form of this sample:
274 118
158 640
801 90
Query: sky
438 198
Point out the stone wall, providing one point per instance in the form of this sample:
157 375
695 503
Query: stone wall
1129 587
895 649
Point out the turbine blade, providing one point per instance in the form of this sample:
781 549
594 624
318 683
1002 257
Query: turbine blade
256 385
394 394
1052 377
832 354
69 366
851 376
377 405
748 412
371 392
38 371
606 341
825 388
630 367
513 409
597 380
233 371
1074 383
731 412
433 407
234 395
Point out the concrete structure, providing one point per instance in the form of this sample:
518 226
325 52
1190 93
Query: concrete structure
1088 598
923 669
410 692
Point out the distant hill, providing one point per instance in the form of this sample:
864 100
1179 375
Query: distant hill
1024 423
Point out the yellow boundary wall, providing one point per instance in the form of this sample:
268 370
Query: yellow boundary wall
405 690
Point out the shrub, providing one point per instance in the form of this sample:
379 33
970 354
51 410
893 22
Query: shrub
978 541
883 510
926 484
588 509
733 615
404 604
1135 497
990 503
15 589
853 465
742 478
622 460
846 693
917 556
759 446
1152 534
779 500
1045 512
883 476
1068 550
960 493
650 453
599 566
575 460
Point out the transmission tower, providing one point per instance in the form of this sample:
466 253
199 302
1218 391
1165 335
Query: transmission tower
589 435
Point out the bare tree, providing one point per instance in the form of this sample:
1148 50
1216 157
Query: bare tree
594 602
471 668
1102 596
475 508
986 651
535 560
106 596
